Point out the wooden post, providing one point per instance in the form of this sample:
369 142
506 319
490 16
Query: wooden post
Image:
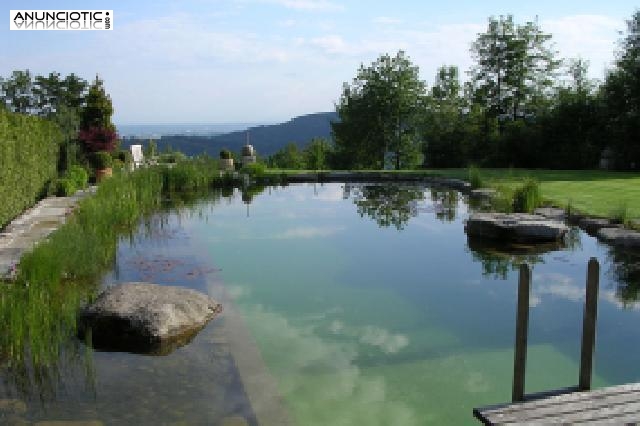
589 325
522 325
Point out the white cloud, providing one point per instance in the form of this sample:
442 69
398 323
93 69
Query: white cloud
181 42
591 37
384 340
331 44
557 285
386 20
307 232
308 364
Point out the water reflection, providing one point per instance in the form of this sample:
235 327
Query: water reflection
445 203
624 269
500 257
388 204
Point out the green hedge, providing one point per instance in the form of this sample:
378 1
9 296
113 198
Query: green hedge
28 157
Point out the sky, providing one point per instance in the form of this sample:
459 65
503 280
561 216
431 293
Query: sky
266 61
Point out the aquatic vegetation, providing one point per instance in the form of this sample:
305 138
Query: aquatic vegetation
38 310
527 196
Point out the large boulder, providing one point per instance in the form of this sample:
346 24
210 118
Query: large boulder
145 318
620 237
553 213
520 227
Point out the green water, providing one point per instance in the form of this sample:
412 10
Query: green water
364 317
360 304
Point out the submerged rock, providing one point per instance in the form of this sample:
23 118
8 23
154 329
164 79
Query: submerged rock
145 318
620 237
518 227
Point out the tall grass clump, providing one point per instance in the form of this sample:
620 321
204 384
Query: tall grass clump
475 177
527 196
502 201
620 213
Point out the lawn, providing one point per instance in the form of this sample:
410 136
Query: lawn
594 192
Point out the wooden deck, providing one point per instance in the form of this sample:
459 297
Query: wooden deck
616 404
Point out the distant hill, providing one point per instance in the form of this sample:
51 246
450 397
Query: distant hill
266 139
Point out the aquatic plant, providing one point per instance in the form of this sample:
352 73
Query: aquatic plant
527 196
475 177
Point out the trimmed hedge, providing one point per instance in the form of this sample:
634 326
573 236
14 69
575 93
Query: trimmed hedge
28 158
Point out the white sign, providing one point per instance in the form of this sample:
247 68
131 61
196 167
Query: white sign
66 20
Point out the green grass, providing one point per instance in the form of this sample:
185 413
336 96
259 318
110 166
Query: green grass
592 192
38 310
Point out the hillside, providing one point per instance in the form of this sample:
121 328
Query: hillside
265 139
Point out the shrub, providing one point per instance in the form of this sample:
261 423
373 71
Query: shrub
123 155
118 164
78 175
172 157
64 187
98 139
255 169
527 196
225 154
102 160
29 148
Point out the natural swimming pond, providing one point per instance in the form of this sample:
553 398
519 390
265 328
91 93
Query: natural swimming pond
345 304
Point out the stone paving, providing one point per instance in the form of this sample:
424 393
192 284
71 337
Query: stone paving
33 226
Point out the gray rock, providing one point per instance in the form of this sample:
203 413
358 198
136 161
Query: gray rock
482 193
552 213
518 227
620 237
592 224
145 318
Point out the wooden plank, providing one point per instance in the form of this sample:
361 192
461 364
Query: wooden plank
582 410
589 325
618 404
522 325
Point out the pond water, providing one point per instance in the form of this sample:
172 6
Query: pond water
344 305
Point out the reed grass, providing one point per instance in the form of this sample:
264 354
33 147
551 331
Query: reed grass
38 311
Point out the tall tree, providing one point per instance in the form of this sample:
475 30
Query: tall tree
379 115
97 132
622 97
443 124
515 68
17 92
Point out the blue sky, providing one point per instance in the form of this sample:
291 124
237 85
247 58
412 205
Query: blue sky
226 61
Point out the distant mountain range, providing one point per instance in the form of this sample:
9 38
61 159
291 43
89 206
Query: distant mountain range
266 139
156 131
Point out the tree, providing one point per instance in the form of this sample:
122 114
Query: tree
17 92
514 70
316 154
97 132
621 93
379 115
443 124
289 157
